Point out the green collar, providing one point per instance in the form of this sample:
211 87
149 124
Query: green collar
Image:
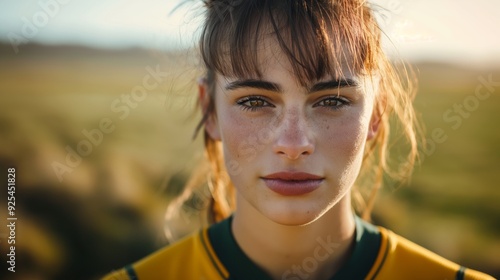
240 266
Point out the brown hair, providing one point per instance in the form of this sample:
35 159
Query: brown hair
316 37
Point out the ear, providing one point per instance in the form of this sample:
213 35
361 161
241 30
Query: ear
207 104
374 123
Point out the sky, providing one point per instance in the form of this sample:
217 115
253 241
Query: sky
456 30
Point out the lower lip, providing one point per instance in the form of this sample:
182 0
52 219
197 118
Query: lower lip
292 188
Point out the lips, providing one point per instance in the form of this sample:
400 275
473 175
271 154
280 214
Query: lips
292 183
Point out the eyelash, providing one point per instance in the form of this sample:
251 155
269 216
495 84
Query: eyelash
241 102
244 103
338 99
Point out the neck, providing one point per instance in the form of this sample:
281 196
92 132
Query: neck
313 251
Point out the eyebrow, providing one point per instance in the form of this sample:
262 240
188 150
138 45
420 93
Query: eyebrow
333 84
251 83
265 85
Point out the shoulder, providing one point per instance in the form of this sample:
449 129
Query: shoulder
399 258
189 258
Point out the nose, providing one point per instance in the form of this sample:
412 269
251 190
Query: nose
294 137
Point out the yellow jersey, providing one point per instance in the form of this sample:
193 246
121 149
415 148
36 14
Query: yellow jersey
213 253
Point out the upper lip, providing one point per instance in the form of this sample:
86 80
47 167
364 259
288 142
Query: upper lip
292 176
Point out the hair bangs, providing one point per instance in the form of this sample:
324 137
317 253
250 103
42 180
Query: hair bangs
319 38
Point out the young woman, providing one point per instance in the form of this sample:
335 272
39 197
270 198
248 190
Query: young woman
297 101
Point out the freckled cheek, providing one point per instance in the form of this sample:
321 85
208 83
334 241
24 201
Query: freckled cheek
239 134
343 137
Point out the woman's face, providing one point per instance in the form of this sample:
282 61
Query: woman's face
292 151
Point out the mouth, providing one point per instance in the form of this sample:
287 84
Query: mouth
292 183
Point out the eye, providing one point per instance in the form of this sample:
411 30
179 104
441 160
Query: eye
333 102
253 103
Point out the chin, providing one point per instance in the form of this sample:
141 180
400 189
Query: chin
293 216
300 211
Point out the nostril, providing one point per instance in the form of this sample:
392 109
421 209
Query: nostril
294 151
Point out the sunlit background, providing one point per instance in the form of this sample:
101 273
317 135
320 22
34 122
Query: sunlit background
446 30
96 115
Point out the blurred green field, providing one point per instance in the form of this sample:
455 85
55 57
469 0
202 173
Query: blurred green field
109 210
451 205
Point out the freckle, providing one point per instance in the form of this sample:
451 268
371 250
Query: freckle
327 127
